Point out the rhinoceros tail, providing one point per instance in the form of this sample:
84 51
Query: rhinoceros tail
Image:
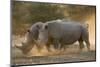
85 37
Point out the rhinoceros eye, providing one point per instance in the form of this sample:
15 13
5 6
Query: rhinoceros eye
38 26
46 26
28 30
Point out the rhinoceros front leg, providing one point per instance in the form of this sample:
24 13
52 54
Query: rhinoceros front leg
39 47
48 47
56 43
62 47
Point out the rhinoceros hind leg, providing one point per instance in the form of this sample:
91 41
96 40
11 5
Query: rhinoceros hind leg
87 44
81 44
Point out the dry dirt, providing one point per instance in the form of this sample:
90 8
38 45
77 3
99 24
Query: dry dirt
71 54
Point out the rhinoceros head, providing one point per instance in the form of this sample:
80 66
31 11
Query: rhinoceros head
30 38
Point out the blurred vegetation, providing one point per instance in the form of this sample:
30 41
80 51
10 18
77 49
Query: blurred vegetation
24 14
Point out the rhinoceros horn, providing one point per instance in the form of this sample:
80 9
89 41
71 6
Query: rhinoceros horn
19 47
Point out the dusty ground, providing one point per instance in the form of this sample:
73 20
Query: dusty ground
71 54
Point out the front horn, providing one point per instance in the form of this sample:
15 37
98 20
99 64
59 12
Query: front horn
19 47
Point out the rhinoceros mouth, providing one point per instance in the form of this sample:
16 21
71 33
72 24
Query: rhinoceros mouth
24 49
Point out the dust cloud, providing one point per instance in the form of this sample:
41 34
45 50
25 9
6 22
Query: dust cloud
92 23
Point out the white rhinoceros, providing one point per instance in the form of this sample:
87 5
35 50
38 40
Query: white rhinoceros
63 33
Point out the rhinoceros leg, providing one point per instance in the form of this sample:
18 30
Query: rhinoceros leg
56 43
81 45
39 47
87 44
62 47
48 47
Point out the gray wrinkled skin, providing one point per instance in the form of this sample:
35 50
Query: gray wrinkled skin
63 33
30 37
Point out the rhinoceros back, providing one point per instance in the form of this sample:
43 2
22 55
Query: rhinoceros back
66 32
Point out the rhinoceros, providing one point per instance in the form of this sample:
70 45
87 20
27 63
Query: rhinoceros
63 33
30 38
